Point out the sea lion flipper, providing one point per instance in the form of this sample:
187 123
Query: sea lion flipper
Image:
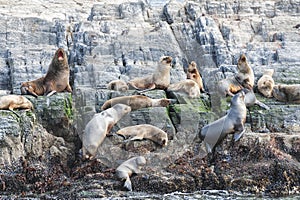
128 184
237 136
262 105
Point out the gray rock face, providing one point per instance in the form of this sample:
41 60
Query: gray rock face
109 40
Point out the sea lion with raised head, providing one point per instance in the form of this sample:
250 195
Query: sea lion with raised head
193 74
35 87
266 83
243 79
129 167
250 99
233 122
99 126
117 85
187 86
160 79
12 101
287 93
57 77
136 102
145 131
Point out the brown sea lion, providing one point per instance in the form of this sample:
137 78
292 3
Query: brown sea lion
145 131
188 87
99 126
243 79
233 122
57 77
193 74
117 85
11 102
136 102
287 93
266 83
129 167
160 79
35 87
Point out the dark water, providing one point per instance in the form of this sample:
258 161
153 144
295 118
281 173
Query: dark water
203 195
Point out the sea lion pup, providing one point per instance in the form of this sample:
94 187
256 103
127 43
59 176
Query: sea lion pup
11 102
243 79
193 74
266 83
287 93
250 99
57 77
99 126
188 86
35 87
117 85
160 79
233 122
145 131
127 168
136 102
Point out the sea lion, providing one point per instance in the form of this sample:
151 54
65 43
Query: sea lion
127 168
188 86
99 126
160 79
266 83
145 131
232 122
117 85
57 77
287 93
243 79
245 75
11 102
250 99
136 102
35 87
193 74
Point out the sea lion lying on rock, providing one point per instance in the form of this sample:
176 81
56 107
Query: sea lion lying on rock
136 102
232 122
11 102
287 93
35 87
127 168
117 85
99 126
160 79
266 83
145 131
188 87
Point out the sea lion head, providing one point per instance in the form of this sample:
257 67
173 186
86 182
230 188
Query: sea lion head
27 88
164 102
238 98
266 88
122 108
242 64
60 59
140 160
278 93
166 60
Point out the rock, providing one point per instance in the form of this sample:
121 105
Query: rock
111 40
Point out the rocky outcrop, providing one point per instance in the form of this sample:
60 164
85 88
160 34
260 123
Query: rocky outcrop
110 40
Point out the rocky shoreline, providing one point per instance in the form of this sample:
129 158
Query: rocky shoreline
109 40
